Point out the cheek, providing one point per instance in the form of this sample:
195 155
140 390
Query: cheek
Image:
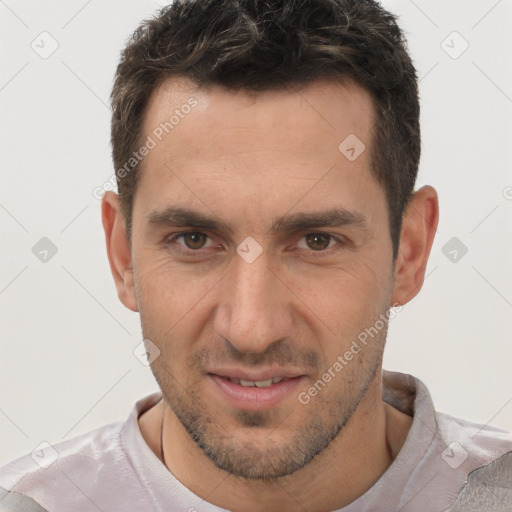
171 301
346 297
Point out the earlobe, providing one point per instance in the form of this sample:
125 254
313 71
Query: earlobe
118 249
418 230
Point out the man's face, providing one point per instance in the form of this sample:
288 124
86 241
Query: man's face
265 289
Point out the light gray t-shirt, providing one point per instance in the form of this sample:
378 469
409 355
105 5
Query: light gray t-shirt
445 464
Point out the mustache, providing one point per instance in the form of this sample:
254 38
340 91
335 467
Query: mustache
279 353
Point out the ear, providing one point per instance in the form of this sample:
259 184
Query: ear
419 226
118 249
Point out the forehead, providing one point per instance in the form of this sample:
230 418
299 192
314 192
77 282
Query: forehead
327 110
209 142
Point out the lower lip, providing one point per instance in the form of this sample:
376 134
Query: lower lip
254 398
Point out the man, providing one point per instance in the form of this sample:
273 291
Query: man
266 230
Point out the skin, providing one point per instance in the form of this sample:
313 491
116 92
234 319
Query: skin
246 159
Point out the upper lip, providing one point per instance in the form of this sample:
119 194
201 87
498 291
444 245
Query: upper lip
256 375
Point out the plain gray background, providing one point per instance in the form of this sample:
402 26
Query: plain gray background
66 358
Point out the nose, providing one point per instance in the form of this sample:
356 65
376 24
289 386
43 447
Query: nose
255 307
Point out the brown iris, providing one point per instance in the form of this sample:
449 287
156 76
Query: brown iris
194 240
317 241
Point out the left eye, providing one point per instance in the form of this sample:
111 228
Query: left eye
317 242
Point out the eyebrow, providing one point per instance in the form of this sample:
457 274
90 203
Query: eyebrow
335 217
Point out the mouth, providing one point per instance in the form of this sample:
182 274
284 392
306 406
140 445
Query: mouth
257 383
254 392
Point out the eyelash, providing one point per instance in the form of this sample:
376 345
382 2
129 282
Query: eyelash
340 241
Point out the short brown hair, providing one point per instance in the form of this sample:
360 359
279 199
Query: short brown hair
260 45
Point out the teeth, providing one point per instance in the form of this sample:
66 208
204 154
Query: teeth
258 383
263 383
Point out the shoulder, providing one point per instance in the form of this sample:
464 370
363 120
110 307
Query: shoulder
487 488
59 470
95 470
481 444
452 461
484 454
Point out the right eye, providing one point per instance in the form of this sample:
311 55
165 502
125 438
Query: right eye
193 240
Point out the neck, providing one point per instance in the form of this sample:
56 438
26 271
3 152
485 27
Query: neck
345 470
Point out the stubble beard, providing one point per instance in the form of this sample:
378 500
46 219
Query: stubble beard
243 458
